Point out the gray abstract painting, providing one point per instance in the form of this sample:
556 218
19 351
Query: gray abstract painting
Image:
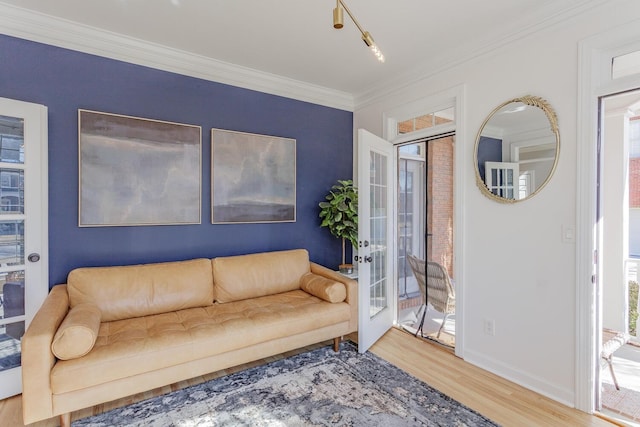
253 178
137 171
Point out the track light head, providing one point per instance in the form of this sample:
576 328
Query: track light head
338 21
368 40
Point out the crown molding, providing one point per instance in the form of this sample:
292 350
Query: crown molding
34 26
449 60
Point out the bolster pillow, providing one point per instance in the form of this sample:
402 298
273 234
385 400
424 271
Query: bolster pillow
77 333
323 288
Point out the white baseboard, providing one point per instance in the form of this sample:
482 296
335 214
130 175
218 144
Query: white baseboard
524 379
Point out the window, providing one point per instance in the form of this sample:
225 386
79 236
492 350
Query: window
425 121
11 139
634 183
411 150
410 220
634 137
626 65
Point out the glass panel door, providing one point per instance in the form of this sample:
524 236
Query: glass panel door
500 178
411 228
23 218
11 240
375 236
426 302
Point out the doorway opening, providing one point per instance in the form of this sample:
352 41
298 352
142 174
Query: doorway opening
619 205
425 273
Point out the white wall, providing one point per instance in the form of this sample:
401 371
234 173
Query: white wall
517 269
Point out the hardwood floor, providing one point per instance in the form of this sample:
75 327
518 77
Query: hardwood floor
498 399
502 401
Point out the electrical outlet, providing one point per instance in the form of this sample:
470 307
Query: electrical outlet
489 327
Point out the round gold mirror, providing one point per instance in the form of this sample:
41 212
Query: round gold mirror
517 149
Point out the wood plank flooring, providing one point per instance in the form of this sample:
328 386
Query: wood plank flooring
498 399
502 401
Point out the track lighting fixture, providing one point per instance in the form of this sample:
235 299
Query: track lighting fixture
338 22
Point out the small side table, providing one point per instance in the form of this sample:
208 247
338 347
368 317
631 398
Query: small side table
353 275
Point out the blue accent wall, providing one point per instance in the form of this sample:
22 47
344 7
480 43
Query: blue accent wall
489 150
66 80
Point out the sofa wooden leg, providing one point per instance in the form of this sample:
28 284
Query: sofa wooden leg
336 344
65 420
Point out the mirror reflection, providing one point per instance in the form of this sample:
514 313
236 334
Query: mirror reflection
517 149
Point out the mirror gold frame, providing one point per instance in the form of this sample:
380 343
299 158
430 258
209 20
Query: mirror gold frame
528 100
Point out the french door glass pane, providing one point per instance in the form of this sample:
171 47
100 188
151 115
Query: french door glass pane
11 139
11 306
409 215
11 293
10 345
11 191
378 298
11 243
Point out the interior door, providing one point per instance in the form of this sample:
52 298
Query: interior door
501 178
375 238
24 276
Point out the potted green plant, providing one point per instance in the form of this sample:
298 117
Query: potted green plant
339 213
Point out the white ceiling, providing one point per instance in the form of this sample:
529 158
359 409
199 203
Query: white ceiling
295 39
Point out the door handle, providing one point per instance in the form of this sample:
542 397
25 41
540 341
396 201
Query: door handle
34 257
368 258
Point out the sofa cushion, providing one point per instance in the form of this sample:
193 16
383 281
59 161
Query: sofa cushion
77 333
324 288
248 276
128 347
142 290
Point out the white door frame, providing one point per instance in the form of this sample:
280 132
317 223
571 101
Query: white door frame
452 96
594 81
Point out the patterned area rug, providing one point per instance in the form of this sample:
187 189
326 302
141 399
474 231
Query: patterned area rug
317 388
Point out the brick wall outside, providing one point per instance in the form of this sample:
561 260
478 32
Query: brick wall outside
634 183
421 122
440 203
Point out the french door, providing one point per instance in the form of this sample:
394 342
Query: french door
24 276
375 238
501 179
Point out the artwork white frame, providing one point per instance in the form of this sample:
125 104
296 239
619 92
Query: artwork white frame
135 171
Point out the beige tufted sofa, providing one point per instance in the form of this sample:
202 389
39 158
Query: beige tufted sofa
110 332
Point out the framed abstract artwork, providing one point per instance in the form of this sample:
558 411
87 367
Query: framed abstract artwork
135 171
253 178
